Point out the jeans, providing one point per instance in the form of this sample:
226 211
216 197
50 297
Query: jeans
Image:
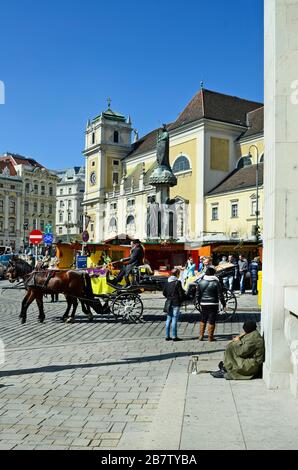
242 280
228 282
254 286
172 317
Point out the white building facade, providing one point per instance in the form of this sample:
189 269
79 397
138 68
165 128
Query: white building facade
69 208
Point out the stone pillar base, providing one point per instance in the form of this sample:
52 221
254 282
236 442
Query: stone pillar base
276 380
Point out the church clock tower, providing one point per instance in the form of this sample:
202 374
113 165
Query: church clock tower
107 141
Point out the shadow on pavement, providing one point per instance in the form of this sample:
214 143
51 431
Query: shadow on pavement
129 360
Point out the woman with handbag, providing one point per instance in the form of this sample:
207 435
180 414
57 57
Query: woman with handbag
175 295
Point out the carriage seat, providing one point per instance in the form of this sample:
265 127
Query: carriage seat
145 269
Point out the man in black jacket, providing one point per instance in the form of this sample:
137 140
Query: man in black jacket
209 293
136 258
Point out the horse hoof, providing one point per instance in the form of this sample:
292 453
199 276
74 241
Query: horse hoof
23 321
69 320
90 319
64 319
41 320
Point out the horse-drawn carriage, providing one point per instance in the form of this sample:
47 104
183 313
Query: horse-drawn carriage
123 303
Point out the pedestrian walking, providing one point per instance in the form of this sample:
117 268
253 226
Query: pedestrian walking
254 269
175 295
243 268
209 293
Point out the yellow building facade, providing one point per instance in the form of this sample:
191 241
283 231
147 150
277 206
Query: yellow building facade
207 143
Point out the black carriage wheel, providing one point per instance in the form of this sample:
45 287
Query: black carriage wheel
231 306
127 306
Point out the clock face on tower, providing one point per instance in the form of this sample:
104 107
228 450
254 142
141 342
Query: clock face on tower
93 177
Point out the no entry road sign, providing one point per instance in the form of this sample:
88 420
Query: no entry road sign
35 237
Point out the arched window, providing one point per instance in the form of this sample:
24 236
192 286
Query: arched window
244 161
130 223
116 136
181 164
113 225
262 158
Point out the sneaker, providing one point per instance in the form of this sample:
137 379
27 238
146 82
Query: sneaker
177 339
219 374
168 339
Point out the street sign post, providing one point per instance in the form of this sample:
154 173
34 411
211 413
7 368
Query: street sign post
81 262
85 238
35 237
48 238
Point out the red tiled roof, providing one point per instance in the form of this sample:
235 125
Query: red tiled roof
20 160
4 164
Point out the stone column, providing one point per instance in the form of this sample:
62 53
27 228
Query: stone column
280 182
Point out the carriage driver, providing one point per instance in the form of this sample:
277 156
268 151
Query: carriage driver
136 258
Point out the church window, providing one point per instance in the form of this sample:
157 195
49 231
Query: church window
116 137
214 211
181 164
115 178
234 209
93 137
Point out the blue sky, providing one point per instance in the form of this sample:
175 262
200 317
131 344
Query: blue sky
60 60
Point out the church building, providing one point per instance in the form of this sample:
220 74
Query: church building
209 141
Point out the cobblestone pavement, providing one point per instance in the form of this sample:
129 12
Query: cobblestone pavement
91 385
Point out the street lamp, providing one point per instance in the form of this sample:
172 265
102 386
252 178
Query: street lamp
257 187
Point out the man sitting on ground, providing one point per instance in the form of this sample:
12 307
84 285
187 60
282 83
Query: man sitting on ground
244 355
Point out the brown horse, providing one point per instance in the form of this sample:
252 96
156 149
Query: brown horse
73 284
